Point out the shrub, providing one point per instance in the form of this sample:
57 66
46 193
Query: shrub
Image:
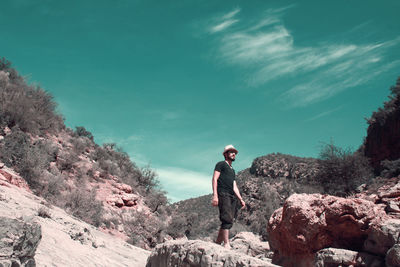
54 184
143 229
155 200
44 212
28 159
80 144
342 171
66 160
81 131
84 205
28 107
391 168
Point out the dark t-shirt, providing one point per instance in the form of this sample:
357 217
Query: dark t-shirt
225 180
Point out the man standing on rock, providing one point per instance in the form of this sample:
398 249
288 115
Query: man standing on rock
226 193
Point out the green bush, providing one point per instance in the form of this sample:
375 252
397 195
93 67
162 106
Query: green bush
342 171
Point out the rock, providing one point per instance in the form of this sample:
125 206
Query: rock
393 256
1 165
197 253
382 237
343 257
9 177
124 187
308 223
81 235
250 244
7 131
18 242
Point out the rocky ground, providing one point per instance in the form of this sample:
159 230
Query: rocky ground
66 241
55 238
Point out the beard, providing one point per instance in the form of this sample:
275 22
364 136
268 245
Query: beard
233 159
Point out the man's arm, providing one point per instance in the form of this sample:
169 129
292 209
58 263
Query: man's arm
214 187
237 193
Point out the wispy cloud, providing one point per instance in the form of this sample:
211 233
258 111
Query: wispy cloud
323 114
225 21
267 49
182 183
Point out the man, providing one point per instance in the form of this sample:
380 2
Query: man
226 193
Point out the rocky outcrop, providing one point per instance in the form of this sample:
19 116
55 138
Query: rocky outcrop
309 223
18 242
8 176
197 253
280 165
383 134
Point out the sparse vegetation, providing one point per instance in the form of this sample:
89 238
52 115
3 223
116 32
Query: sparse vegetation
44 212
85 206
391 168
27 107
341 170
389 106
54 168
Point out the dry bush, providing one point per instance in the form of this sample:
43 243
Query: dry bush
54 184
143 229
80 144
81 131
342 171
30 160
83 204
44 212
66 160
390 168
28 107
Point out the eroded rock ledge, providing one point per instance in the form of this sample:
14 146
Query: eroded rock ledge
197 253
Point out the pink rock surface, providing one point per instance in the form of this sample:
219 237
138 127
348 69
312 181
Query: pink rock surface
308 223
7 176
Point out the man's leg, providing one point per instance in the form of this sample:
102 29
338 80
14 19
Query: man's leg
225 234
220 237
226 217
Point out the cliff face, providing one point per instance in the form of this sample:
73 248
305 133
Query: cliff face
383 134
383 140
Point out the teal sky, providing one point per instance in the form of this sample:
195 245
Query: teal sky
173 82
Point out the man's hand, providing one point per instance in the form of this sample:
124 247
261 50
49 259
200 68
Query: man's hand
214 201
242 203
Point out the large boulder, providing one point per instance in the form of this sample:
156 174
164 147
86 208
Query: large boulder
197 253
309 223
18 242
